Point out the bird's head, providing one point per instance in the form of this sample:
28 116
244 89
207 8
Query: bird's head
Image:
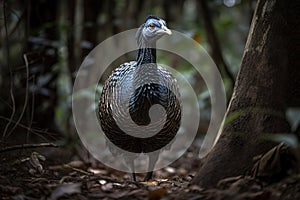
153 29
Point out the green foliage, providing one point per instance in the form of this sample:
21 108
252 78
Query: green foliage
289 139
286 138
90 94
63 108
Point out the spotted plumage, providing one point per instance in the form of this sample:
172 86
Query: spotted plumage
134 88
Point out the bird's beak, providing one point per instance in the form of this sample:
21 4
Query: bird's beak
165 30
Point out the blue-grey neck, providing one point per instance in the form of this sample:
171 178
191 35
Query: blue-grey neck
146 52
146 55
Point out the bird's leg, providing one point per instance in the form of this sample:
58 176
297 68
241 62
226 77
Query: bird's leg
148 176
153 157
132 175
130 164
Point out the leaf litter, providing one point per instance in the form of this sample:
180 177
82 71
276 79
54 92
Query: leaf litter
34 175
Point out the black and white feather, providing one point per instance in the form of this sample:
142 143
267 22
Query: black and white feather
129 94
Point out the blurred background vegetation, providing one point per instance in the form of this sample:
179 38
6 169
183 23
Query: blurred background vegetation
43 43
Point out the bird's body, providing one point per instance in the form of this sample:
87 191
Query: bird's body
127 96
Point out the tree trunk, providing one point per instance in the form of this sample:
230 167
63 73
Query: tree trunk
213 41
259 100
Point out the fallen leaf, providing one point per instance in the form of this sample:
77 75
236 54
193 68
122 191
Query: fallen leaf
195 188
226 182
274 164
107 187
157 194
102 182
65 189
150 183
162 180
98 171
77 164
182 171
170 170
35 162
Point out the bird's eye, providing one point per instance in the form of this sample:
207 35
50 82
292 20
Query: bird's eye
152 26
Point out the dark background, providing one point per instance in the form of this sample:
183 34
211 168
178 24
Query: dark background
44 42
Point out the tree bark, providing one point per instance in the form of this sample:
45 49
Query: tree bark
259 100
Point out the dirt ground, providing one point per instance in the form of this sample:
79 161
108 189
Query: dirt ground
55 173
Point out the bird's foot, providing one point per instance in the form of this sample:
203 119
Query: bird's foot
148 176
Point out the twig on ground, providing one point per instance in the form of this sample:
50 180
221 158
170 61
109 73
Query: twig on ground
78 170
28 146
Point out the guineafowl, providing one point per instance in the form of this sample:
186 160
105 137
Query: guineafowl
135 87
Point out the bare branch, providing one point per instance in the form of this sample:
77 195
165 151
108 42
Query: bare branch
26 96
10 72
35 131
32 107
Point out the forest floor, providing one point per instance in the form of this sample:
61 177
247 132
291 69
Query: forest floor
55 173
